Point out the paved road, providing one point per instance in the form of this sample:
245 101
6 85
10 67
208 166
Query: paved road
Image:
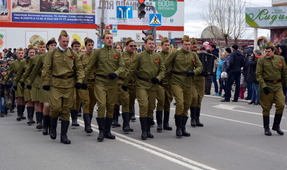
232 138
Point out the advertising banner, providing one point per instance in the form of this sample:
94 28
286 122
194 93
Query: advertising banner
266 17
172 12
279 36
5 10
2 40
52 11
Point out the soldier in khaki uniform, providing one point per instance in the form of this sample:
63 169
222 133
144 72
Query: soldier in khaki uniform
198 91
150 70
270 71
14 67
115 123
36 73
75 112
27 93
63 70
164 95
35 87
183 64
87 96
126 97
108 64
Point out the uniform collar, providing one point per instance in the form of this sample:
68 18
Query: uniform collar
165 52
185 52
108 47
62 49
149 52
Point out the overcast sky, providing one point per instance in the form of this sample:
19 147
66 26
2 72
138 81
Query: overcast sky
194 23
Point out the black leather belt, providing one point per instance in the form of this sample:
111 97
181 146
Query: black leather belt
91 80
179 73
121 78
63 77
103 76
143 79
273 81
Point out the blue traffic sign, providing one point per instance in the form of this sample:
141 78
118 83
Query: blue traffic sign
124 12
155 20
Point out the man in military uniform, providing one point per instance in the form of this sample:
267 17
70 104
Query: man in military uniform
198 88
76 102
87 96
127 98
183 64
270 71
14 67
108 64
62 72
164 95
150 70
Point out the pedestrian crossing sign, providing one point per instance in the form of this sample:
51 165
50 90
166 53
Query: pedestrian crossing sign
155 20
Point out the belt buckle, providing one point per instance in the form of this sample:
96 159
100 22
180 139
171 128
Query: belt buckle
65 77
274 81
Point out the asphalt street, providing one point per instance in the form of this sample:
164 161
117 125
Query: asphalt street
232 138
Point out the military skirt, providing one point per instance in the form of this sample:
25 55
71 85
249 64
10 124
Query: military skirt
27 95
19 92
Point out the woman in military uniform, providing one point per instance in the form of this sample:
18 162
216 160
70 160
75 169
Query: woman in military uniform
44 95
35 88
27 93
19 94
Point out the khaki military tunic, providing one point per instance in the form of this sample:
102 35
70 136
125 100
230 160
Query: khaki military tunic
35 91
269 73
14 67
178 63
164 96
127 99
62 69
147 65
88 97
105 60
23 67
35 75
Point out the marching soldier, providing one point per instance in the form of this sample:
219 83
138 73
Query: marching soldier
87 96
62 72
270 71
36 90
19 95
36 74
75 112
199 85
183 64
108 64
150 70
115 123
127 98
164 95
27 93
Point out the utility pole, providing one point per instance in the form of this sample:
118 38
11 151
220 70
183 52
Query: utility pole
102 26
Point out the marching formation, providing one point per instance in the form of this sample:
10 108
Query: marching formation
56 83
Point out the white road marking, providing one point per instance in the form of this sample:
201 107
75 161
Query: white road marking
170 156
233 108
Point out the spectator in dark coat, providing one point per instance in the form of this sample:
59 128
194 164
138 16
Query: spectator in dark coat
236 61
252 77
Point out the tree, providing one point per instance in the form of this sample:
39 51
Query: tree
228 16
